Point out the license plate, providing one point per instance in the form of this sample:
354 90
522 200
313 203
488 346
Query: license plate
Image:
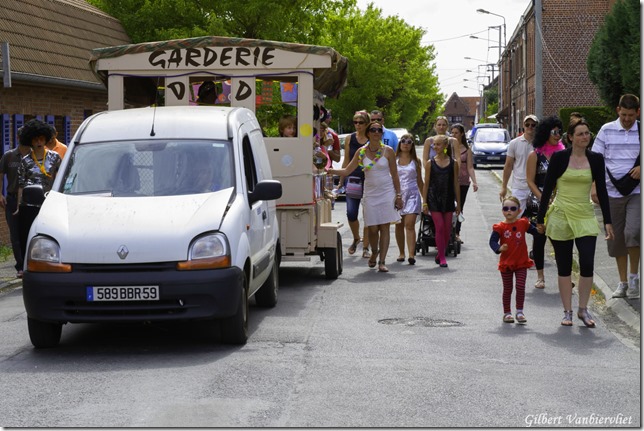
494 158
122 293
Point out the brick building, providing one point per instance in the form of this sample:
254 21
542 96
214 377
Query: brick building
461 110
49 44
543 65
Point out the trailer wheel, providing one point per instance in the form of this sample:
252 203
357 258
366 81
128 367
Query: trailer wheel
333 260
44 334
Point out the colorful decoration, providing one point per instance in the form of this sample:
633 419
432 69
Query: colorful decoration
363 152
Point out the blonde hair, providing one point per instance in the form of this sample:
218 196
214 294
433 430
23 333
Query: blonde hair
513 199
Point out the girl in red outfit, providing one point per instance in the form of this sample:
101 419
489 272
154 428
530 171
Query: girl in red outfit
508 239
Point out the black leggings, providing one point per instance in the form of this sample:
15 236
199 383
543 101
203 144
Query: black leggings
539 250
585 249
464 190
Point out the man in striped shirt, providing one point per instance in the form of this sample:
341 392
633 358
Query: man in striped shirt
619 143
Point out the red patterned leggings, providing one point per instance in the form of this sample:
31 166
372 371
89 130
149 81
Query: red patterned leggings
521 275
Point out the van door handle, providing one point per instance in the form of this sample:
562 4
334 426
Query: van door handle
264 216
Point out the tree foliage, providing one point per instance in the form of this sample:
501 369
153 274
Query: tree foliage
389 69
614 58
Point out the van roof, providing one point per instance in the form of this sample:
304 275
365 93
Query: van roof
170 122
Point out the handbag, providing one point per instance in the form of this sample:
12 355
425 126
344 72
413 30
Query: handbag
353 188
626 184
532 205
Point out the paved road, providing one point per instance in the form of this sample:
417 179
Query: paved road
421 346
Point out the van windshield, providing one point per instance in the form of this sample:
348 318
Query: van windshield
149 168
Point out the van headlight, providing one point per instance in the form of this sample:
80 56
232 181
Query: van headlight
209 251
43 255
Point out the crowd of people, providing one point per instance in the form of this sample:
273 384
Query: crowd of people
557 173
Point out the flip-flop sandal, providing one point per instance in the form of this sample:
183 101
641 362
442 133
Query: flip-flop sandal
507 318
365 253
586 317
382 267
567 319
521 318
352 247
540 284
400 259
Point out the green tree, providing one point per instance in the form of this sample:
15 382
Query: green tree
491 97
389 69
614 58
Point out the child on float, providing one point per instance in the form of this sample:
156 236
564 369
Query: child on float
508 240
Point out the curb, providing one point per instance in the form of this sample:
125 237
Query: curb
619 306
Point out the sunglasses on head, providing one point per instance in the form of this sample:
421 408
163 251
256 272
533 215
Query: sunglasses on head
555 132
406 141
375 130
512 208
358 122
531 125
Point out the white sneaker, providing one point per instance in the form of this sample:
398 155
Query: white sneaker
633 291
620 292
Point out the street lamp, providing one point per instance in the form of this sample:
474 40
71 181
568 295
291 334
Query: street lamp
477 59
481 38
505 42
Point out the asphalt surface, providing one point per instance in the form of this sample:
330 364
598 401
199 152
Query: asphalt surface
627 311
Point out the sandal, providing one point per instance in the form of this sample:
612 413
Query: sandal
521 317
372 263
586 317
382 267
411 260
401 259
365 253
567 319
540 284
354 244
507 318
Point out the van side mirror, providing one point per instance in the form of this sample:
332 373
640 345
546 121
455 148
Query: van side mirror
33 195
266 190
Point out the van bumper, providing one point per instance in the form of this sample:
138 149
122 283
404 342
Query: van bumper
183 295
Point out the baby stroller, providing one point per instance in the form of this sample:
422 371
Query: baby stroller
427 237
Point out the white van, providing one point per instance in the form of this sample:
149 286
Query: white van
157 214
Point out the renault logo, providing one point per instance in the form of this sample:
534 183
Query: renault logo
123 252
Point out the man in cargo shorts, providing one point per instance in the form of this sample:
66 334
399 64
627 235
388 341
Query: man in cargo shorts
619 143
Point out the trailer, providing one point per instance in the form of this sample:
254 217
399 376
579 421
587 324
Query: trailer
265 77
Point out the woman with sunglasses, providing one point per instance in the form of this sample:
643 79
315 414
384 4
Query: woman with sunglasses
411 183
382 195
546 142
571 216
352 144
466 170
508 240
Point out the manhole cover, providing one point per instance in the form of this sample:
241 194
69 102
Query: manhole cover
420 321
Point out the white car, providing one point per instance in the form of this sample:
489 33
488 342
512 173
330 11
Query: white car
159 214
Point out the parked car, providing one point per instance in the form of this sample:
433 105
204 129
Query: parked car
399 132
490 146
162 214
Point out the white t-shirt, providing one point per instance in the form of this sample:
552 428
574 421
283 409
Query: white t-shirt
519 149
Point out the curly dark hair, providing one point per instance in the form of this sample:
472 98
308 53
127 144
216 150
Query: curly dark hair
33 129
542 134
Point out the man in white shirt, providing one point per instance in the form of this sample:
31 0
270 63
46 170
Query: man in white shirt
515 162
619 143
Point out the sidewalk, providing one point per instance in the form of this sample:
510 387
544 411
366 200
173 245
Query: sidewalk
605 279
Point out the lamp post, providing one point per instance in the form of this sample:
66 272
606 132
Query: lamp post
500 16
500 60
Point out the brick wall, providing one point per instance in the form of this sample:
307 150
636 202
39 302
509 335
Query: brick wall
33 100
568 31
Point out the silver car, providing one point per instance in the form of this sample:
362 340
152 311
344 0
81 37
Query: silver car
490 146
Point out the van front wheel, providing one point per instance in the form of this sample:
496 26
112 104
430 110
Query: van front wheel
44 334
234 329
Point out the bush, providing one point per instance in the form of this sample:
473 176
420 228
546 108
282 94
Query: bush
596 116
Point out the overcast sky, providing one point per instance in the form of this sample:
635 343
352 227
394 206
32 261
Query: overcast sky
448 25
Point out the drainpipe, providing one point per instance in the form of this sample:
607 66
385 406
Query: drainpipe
538 60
